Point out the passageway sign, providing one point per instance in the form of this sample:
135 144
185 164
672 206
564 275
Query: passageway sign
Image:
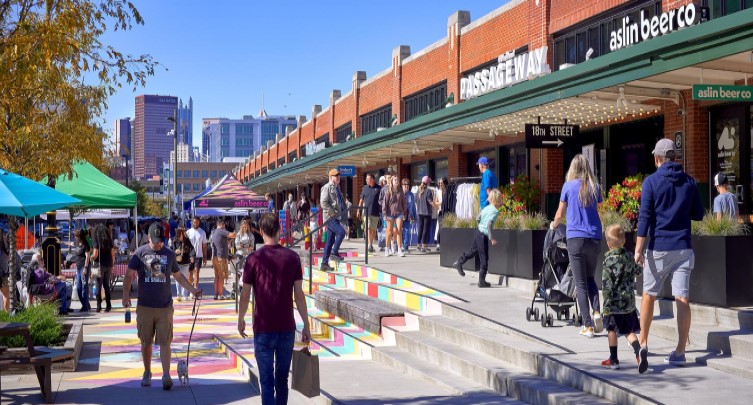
550 136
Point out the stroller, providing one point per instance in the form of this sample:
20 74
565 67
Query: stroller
556 286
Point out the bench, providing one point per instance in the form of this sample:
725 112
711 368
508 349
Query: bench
358 309
41 358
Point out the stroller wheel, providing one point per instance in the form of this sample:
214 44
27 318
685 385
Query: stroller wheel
550 320
528 314
543 322
536 314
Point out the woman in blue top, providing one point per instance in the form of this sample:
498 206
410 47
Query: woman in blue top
580 196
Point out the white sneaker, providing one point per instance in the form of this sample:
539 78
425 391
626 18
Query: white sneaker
401 253
386 252
598 322
587 332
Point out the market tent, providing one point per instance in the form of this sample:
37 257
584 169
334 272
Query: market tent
187 204
229 193
95 189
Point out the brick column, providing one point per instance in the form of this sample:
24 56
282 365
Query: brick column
398 55
539 15
455 24
333 97
457 163
358 78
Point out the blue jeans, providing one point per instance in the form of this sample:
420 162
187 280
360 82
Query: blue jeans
274 352
62 291
406 234
83 288
333 243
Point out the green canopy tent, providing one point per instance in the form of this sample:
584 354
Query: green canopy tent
96 190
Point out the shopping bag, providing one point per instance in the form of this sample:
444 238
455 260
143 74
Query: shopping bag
305 373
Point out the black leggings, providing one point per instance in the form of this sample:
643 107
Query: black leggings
103 281
424 223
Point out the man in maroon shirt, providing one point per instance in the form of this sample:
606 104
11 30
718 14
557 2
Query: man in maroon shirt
275 274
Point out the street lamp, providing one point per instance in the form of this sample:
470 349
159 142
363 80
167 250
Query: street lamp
174 120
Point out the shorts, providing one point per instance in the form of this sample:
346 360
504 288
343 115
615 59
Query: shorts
394 218
151 322
661 264
623 324
373 222
220 267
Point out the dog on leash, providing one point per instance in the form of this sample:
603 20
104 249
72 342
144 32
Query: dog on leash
183 372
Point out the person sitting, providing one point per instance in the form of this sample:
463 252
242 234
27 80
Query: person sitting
43 283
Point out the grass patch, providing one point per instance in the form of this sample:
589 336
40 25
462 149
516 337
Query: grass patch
710 226
44 325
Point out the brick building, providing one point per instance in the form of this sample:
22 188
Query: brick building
621 71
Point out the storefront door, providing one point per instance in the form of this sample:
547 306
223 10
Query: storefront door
730 145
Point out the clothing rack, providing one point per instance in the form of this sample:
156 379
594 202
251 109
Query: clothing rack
465 179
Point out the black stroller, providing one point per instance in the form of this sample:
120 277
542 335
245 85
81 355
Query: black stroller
556 286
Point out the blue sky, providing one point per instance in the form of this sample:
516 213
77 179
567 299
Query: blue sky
226 54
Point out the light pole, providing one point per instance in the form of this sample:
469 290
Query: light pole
174 120
125 155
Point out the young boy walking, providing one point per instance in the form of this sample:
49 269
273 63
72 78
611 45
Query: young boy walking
725 204
482 236
620 315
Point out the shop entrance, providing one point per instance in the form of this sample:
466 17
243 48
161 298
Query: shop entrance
730 145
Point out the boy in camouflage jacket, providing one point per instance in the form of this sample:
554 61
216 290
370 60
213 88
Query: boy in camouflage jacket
618 288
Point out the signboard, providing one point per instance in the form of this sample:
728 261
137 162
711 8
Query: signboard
722 92
510 69
548 136
647 27
313 147
347 171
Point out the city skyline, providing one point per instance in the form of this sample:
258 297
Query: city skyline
226 80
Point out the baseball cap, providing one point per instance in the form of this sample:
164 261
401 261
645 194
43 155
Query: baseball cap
156 233
426 180
483 161
720 179
334 172
662 147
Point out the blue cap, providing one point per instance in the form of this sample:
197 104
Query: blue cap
483 161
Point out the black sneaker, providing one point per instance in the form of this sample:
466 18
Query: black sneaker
459 268
371 249
483 284
643 360
326 267
336 257
167 382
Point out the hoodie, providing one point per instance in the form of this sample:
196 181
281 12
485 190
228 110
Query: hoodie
669 201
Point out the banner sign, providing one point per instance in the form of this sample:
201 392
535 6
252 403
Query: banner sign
510 69
347 171
546 136
722 92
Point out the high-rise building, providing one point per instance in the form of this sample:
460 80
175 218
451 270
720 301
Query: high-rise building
185 153
123 136
185 121
243 137
151 143
205 136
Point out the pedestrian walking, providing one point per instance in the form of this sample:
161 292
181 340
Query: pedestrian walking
103 252
198 239
154 263
395 210
81 256
273 272
270 203
483 235
333 207
425 202
669 201
488 181
578 202
618 287
725 204
370 200
220 245
410 218
184 251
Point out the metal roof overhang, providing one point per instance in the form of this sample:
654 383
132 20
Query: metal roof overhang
674 61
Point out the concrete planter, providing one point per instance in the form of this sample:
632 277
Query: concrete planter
74 342
517 253
455 241
723 272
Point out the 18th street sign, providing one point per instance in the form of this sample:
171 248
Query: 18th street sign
545 136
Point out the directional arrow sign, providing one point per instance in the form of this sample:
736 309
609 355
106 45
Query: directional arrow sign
543 136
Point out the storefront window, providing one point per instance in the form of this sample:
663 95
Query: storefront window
518 162
490 154
417 172
441 168
727 138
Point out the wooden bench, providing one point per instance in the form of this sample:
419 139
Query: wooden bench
41 358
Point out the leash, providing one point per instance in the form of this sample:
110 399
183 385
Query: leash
195 314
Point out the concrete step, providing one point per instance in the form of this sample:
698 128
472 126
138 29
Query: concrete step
492 373
732 318
741 346
732 365
714 338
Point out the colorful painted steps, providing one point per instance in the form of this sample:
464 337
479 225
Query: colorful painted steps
381 285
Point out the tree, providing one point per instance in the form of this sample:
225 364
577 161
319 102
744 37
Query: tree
49 49
141 197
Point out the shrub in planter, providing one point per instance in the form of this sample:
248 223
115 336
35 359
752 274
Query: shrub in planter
710 226
625 198
44 325
610 217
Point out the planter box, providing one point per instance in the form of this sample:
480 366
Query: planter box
455 241
74 342
517 253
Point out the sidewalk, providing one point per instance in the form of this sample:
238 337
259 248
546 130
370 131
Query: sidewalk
506 306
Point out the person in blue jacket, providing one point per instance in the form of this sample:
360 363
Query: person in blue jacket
669 201
410 200
488 181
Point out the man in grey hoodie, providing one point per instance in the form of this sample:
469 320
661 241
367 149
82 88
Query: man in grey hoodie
669 201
